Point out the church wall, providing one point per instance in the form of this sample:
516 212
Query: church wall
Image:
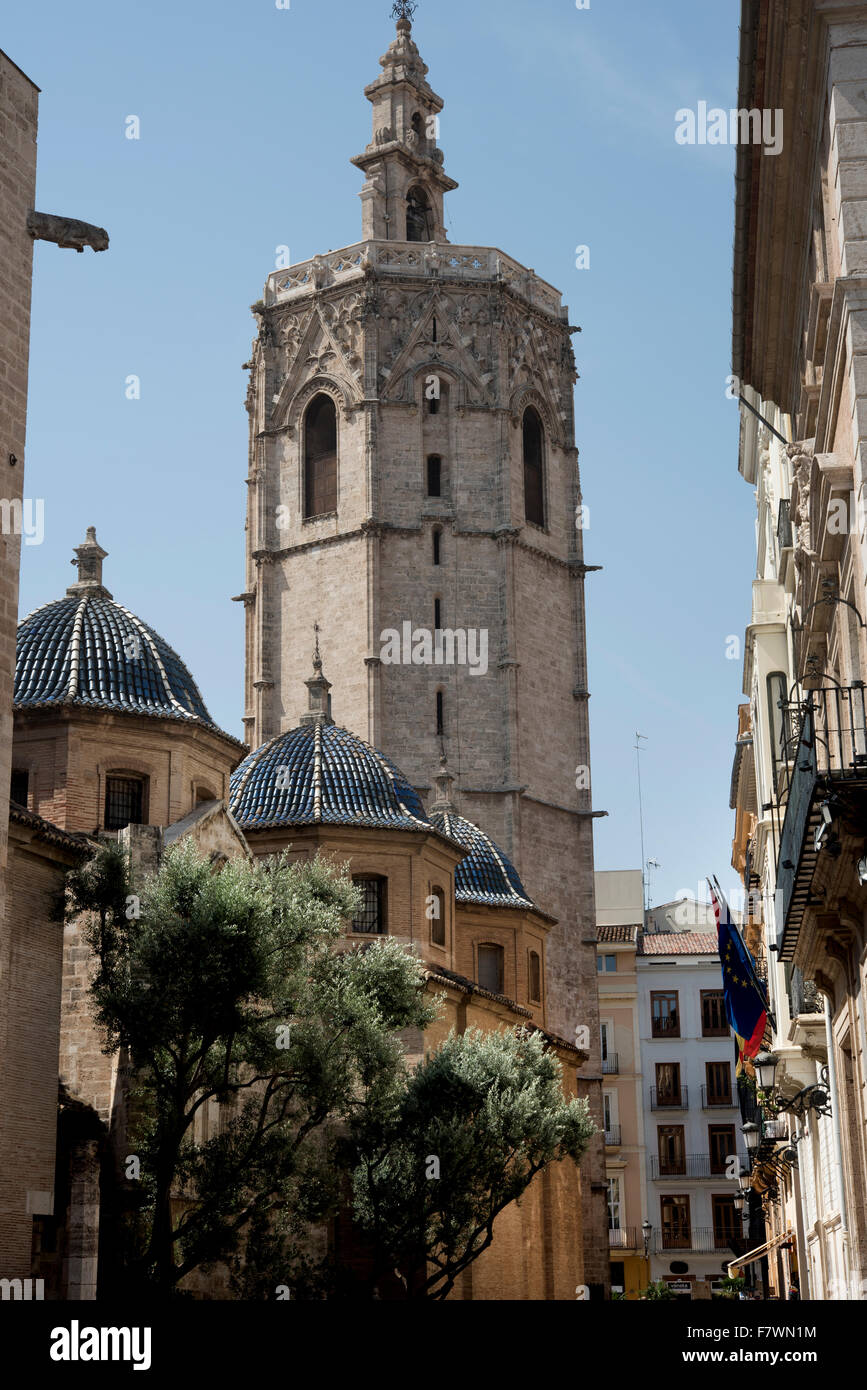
19 100
30 988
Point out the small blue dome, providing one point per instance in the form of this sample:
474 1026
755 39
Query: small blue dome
86 650
322 774
486 876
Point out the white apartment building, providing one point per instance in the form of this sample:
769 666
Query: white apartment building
692 1130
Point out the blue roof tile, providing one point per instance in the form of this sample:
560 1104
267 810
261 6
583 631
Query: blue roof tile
486 876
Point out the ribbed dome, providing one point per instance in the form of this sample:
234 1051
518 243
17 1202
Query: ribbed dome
487 875
86 650
322 774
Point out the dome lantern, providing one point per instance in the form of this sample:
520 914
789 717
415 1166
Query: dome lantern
89 558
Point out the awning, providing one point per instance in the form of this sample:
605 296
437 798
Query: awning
753 1255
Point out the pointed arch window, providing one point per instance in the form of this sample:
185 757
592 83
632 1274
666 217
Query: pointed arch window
534 466
419 218
320 457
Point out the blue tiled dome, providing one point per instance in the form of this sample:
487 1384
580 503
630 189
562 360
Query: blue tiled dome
486 875
322 774
86 650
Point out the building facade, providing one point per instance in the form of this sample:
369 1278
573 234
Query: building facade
691 1120
620 918
414 488
800 777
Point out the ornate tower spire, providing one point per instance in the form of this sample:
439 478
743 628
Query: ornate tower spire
443 789
402 199
89 558
319 697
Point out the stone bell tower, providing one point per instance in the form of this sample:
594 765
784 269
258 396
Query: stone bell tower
413 473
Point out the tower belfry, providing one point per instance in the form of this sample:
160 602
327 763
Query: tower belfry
402 199
413 471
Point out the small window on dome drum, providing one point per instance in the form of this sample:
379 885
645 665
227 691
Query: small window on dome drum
371 917
490 971
437 907
535 977
124 802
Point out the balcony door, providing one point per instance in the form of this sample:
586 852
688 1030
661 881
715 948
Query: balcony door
727 1224
672 1151
667 1083
721 1142
676 1227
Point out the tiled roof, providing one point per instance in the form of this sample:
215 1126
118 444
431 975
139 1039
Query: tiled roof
48 831
688 943
486 876
322 774
86 650
617 935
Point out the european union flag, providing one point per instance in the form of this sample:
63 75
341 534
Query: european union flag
746 1001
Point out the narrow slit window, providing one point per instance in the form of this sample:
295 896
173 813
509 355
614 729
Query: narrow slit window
437 547
441 715
434 476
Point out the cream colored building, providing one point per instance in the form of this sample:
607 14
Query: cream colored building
800 775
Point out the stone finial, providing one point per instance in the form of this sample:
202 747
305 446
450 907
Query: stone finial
318 690
89 558
443 782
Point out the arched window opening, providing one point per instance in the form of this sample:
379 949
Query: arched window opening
534 487
434 476
320 457
124 801
490 968
371 919
437 906
437 547
535 977
418 123
441 712
419 220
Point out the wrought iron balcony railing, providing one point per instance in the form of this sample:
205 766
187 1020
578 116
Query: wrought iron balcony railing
824 742
713 1100
669 1098
611 1064
612 1136
699 1239
624 1238
784 525
687 1166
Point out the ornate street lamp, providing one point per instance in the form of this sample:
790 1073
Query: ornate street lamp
646 1230
752 1137
766 1070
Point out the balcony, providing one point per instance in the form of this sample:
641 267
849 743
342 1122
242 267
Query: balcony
825 746
669 1099
611 1064
612 1136
624 1238
686 1166
700 1240
713 1101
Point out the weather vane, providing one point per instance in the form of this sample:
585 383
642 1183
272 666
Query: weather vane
404 9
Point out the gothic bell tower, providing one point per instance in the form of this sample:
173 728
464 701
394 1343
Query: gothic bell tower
413 470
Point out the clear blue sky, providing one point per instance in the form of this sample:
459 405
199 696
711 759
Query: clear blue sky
559 124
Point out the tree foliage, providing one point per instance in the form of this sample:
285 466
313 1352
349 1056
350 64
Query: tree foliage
464 1137
227 987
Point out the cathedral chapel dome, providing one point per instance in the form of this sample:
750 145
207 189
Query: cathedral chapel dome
486 876
322 774
86 651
